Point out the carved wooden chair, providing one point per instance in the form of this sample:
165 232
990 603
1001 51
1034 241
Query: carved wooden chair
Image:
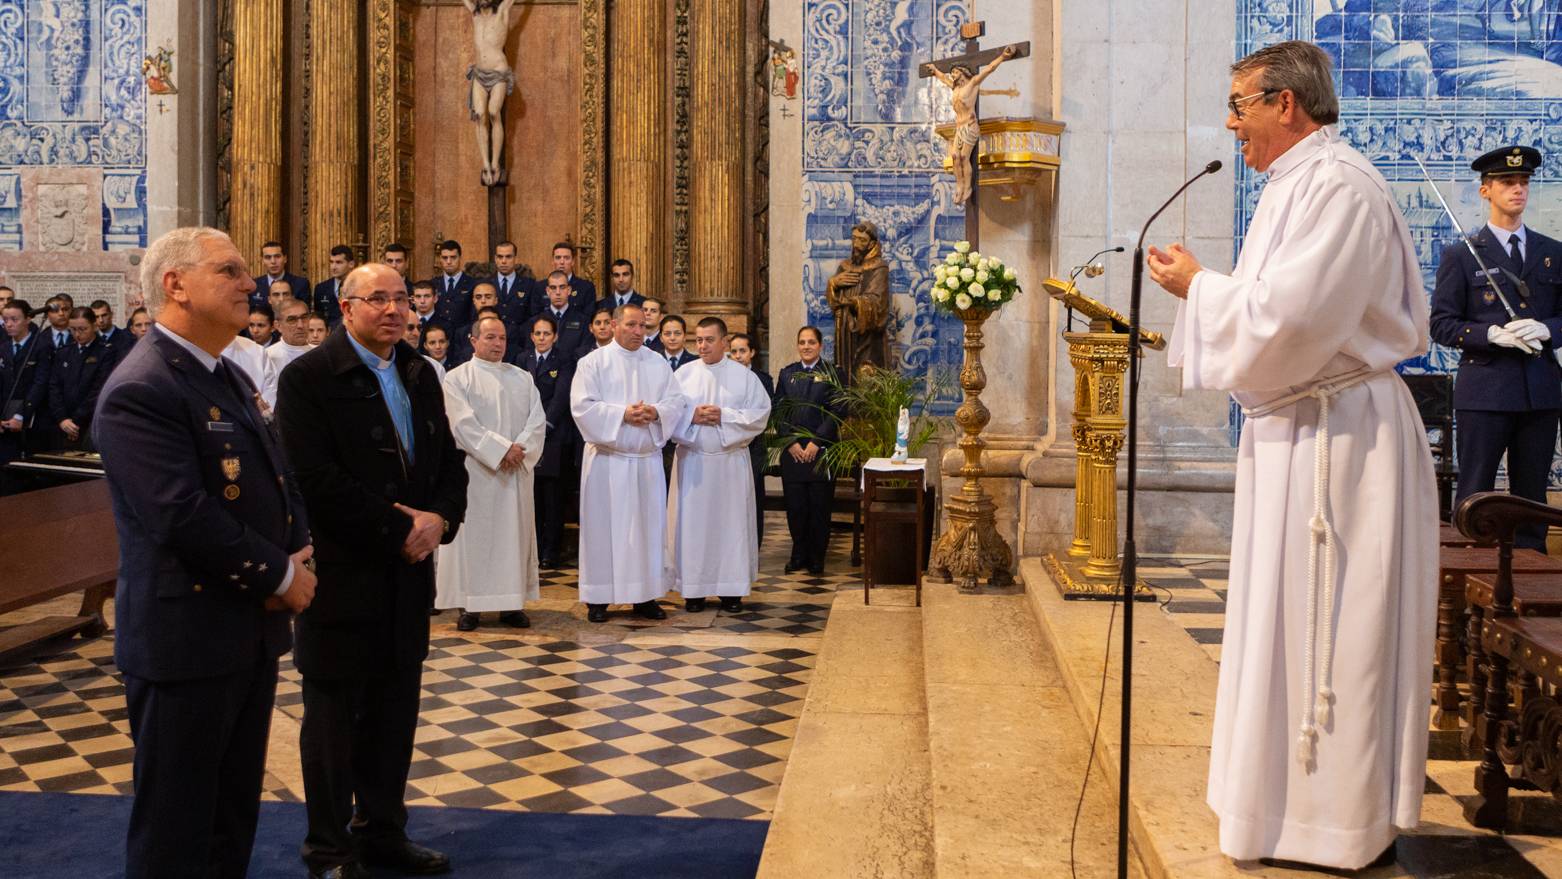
1528 648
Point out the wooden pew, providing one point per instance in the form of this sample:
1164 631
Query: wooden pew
1455 565
58 541
1529 647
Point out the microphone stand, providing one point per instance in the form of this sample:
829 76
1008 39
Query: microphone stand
1130 551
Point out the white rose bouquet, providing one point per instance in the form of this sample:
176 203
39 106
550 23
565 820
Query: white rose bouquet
966 281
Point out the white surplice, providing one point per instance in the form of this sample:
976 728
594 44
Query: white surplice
713 482
492 563
251 357
1327 284
623 491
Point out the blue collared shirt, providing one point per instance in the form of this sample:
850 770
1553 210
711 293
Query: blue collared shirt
396 399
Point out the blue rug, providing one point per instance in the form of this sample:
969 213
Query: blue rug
52 836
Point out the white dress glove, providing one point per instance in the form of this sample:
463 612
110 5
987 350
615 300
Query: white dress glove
1498 335
1528 329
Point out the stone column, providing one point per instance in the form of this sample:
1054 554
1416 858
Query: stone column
335 172
255 205
638 145
717 242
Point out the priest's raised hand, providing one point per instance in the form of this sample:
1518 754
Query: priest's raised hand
1173 269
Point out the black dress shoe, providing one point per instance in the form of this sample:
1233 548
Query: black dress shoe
548 562
349 870
794 566
516 618
467 622
816 570
731 603
694 605
650 610
406 856
596 613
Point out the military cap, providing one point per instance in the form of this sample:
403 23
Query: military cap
1508 160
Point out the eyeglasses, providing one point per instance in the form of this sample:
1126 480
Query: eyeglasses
1234 105
380 301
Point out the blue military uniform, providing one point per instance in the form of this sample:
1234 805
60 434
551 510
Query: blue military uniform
555 469
207 517
262 294
75 380
809 489
24 386
326 301
453 307
1506 401
572 329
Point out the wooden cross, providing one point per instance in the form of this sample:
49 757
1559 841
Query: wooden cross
974 59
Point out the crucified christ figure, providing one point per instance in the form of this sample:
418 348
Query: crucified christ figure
964 89
492 80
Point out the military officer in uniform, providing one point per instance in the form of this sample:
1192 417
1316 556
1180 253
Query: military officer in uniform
806 483
214 556
1508 393
75 379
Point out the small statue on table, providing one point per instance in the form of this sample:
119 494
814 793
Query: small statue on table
858 294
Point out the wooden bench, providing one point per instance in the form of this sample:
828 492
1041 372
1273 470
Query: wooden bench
1526 647
58 541
1455 565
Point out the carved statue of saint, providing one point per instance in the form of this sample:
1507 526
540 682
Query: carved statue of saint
492 80
964 89
859 296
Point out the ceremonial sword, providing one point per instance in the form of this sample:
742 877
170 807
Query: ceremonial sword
1485 272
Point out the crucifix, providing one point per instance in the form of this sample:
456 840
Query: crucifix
964 75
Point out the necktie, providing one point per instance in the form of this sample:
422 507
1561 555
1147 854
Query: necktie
226 377
672 360
558 315
59 339
450 283
541 359
1514 255
504 288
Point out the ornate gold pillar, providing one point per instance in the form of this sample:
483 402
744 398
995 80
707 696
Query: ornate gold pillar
717 242
255 202
335 170
391 100
593 260
1080 548
638 147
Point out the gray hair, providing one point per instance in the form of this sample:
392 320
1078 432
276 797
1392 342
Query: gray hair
1303 68
174 252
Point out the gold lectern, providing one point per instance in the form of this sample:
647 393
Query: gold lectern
1100 359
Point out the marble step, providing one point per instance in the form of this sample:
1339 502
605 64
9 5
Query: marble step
855 799
1007 750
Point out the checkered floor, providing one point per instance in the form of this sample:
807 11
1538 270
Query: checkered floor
691 716
1192 590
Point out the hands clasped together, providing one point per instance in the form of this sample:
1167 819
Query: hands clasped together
1525 334
640 414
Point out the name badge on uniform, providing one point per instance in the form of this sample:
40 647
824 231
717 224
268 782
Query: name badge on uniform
91 360
1484 272
231 469
219 426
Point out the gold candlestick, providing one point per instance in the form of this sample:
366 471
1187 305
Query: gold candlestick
971 546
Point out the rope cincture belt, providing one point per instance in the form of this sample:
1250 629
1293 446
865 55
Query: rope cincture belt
1316 675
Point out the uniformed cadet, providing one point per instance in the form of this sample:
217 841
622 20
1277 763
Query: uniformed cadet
76 378
552 370
214 555
1508 393
806 483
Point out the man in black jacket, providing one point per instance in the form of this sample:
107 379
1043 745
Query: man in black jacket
363 419
213 555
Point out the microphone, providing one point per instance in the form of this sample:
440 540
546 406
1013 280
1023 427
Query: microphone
1211 168
1130 566
1091 268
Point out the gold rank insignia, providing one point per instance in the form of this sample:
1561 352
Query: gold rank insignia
231 492
1516 160
230 469
1489 297
215 413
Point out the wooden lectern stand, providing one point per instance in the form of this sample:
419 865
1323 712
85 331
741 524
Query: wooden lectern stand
1091 568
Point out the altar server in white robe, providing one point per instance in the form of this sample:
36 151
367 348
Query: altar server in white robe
497 418
1321 715
713 478
627 406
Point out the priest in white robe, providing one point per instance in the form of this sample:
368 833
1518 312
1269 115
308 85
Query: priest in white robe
713 478
1321 715
627 407
497 418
